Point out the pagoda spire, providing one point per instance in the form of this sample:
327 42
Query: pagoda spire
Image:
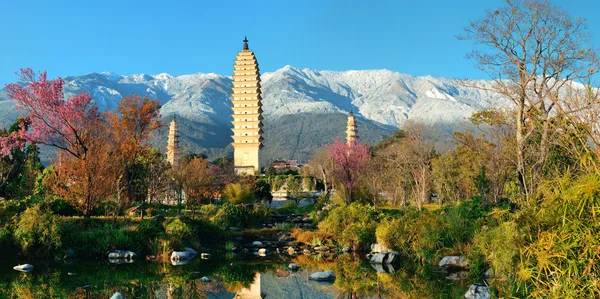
245 43
247 113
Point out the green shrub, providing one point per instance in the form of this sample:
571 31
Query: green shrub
415 233
209 209
148 229
238 193
60 206
353 225
289 207
38 231
563 233
5 237
97 240
498 247
178 229
241 216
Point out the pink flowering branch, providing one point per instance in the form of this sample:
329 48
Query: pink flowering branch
53 121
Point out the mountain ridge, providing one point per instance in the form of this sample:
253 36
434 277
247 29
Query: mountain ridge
383 100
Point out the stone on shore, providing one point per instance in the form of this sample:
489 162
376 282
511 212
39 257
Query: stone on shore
456 261
376 248
117 295
477 291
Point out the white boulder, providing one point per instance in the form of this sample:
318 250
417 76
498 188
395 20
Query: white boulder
24 268
188 254
477 291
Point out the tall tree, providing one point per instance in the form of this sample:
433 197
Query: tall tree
531 50
132 124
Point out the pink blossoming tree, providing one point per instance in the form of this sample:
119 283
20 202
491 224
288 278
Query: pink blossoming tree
72 125
53 120
349 160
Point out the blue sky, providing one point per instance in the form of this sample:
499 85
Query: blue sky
183 37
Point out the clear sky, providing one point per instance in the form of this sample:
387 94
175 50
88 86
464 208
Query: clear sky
77 37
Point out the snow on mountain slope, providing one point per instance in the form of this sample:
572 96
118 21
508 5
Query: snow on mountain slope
382 96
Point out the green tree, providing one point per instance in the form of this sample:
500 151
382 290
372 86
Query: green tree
271 171
294 188
262 191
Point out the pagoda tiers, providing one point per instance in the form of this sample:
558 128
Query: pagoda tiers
173 144
247 113
351 129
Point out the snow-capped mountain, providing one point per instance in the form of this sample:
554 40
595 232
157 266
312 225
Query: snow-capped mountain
383 100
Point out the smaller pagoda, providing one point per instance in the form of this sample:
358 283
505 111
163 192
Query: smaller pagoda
351 129
173 143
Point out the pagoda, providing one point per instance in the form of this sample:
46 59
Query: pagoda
351 129
173 144
247 113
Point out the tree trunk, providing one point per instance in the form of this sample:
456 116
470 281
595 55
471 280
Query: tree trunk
521 147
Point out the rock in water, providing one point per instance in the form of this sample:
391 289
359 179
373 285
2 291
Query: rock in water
205 279
456 261
477 291
177 257
257 244
117 295
385 258
293 267
24 268
122 254
322 276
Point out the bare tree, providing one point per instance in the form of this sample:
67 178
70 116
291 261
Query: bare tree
531 50
321 166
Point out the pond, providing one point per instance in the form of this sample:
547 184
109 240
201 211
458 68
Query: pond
231 276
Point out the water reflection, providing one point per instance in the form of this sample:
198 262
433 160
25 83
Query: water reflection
224 277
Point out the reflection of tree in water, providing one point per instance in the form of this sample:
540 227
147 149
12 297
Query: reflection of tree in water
355 278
